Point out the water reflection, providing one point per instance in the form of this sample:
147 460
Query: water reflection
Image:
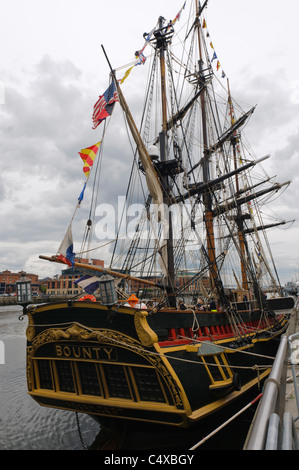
25 425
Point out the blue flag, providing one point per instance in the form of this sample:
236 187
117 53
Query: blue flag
80 198
89 283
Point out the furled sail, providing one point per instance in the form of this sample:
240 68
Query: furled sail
152 180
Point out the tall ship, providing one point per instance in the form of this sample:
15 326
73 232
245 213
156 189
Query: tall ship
185 318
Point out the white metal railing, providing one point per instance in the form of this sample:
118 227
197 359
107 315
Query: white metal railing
269 432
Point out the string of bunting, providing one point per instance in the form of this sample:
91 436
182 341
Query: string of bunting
105 104
140 57
214 57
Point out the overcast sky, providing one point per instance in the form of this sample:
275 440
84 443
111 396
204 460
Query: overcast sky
52 71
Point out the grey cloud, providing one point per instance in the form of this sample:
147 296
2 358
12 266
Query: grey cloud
43 127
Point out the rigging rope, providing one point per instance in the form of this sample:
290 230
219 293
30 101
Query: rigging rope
202 441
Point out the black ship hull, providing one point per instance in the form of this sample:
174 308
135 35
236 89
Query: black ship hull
169 367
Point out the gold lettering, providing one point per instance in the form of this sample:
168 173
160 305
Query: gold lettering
108 352
87 353
78 354
96 350
81 352
66 351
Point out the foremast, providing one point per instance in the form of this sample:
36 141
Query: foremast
207 198
157 182
162 36
239 217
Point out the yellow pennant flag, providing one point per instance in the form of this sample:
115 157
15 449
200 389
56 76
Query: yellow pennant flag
126 74
88 156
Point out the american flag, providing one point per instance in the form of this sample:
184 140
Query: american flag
104 106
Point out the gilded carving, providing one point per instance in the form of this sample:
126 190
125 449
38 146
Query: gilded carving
30 331
145 334
76 332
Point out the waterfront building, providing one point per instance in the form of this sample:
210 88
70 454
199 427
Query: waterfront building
8 281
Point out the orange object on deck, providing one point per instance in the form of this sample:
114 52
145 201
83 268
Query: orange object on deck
88 297
133 300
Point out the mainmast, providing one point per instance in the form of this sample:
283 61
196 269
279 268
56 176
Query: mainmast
240 217
207 199
162 35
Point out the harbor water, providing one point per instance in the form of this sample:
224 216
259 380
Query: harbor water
25 425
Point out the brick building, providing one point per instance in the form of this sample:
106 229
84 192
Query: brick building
8 281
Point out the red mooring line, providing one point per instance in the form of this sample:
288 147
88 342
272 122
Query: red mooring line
226 422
